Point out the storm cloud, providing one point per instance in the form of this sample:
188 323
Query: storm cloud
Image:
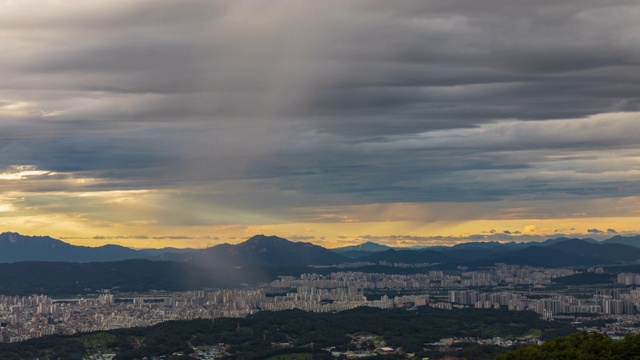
255 112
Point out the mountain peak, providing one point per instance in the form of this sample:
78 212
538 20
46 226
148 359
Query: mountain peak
262 239
368 246
264 250
371 246
14 238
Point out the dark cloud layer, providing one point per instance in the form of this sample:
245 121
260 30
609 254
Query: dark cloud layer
278 105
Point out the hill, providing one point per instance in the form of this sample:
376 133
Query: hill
586 278
587 346
251 338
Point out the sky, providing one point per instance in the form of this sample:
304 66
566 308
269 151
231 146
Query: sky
407 123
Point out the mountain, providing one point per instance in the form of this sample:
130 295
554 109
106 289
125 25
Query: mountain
259 250
15 247
629 240
477 245
364 249
473 251
564 252
608 252
273 251
408 257
491 250
536 256
550 242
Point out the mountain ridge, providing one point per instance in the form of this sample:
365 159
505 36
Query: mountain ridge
259 250
15 247
272 250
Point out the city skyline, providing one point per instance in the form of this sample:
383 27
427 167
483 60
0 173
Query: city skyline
153 124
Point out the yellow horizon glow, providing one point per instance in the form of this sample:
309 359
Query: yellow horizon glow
330 235
81 214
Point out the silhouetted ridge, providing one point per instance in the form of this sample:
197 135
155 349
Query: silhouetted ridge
260 250
361 250
15 247
605 252
274 251
630 240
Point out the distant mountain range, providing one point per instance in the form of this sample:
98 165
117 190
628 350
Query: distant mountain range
363 249
15 247
273 251
258 250
557 253
40 264
628 240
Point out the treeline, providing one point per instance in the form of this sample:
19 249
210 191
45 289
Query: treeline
586 278
252 337
583 345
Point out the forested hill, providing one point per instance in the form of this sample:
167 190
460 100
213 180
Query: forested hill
252 337
583 346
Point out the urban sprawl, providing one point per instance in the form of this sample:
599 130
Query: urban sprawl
517 288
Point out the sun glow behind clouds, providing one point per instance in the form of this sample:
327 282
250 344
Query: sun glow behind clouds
86 213
20 172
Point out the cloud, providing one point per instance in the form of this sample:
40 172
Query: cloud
531 229
119 237
173 237
439 240
252 112
611 231
303 238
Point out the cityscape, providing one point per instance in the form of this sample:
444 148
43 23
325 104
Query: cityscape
25 317
319 180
